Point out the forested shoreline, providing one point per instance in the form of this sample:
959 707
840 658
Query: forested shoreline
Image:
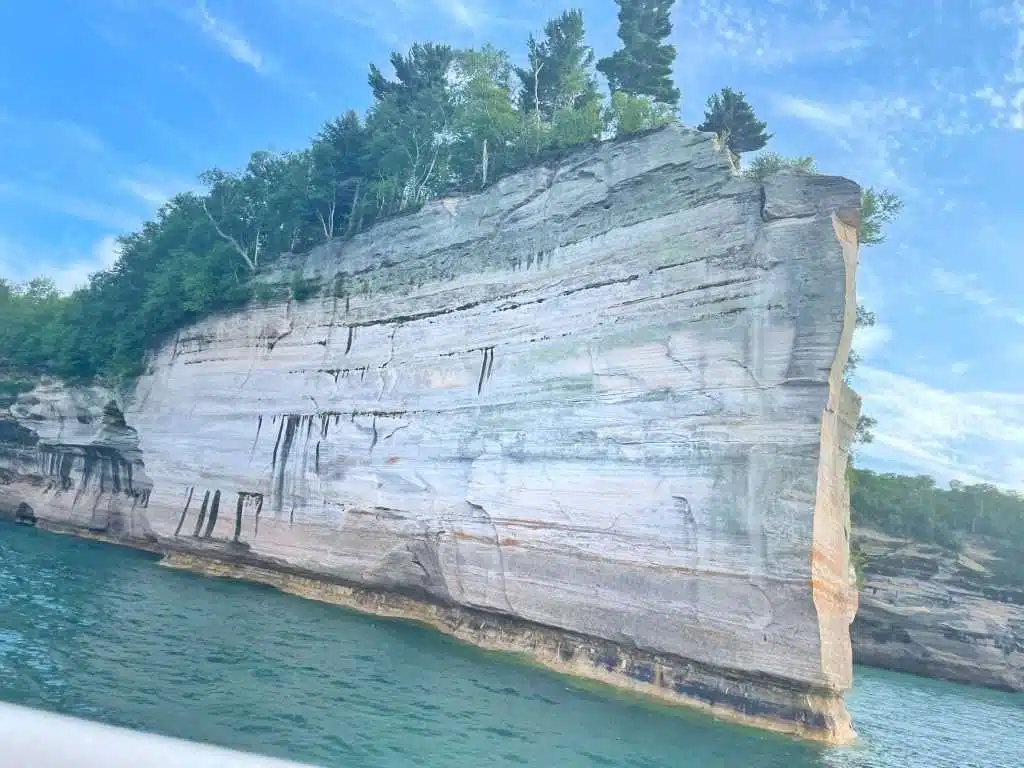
916 508
449 121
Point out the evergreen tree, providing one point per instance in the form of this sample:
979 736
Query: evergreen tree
409 126
730 116
643 65
559 75
424 68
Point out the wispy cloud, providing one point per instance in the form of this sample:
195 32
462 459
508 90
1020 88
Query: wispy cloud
870 339
870 131
968 288
973 436
153 188
465 13
22 131
1005 96
83 209
231 40
68 268
772 37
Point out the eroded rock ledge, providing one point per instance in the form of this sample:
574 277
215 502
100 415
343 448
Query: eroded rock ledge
594 413
952 615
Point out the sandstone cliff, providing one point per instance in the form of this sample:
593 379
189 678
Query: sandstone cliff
594 412
930 611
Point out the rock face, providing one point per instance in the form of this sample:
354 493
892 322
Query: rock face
932 612
76 453
595 412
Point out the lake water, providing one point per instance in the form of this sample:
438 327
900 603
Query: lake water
102 632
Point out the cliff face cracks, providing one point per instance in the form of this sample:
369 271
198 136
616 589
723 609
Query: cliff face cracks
591 413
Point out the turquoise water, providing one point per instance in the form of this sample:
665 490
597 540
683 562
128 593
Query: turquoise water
101 632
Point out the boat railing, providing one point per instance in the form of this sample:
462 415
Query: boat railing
30 737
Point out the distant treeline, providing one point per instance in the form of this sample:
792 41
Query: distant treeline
914 507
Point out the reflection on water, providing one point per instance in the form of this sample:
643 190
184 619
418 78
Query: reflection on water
101 632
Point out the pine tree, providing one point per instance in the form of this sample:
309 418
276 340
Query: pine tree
730 116
559 75
424 68
643 65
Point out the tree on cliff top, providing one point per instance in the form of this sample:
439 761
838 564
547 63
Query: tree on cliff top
559 75
409 126
730 117
486 126
643 65
877 209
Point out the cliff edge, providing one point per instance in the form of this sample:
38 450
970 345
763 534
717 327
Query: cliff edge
594 413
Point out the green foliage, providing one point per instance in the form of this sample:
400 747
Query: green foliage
915 507
643 65
572 127
302 288
864 426
767 163
730 117
560 72
265 293
447 121
488 131
877 209
627 114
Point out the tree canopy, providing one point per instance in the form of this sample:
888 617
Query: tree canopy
730 116
643 65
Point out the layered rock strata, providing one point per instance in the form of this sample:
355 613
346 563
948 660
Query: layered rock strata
926 610
594 412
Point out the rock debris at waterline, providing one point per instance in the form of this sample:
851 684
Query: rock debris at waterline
599 405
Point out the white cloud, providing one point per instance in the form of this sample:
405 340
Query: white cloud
869 339
23 131
463 13
1005 97
148 193
154 188
869 131
969 289
230 40
973 436
769 38
79 208
68 269
398 23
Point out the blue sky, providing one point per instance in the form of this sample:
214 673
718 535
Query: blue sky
107 107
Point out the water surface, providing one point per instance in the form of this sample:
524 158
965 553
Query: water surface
101 632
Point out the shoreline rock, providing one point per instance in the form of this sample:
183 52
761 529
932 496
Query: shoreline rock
938 613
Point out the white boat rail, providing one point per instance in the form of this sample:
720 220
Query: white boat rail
37 739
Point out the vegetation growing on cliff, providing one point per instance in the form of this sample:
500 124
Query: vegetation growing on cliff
449 121
916 508
877 209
